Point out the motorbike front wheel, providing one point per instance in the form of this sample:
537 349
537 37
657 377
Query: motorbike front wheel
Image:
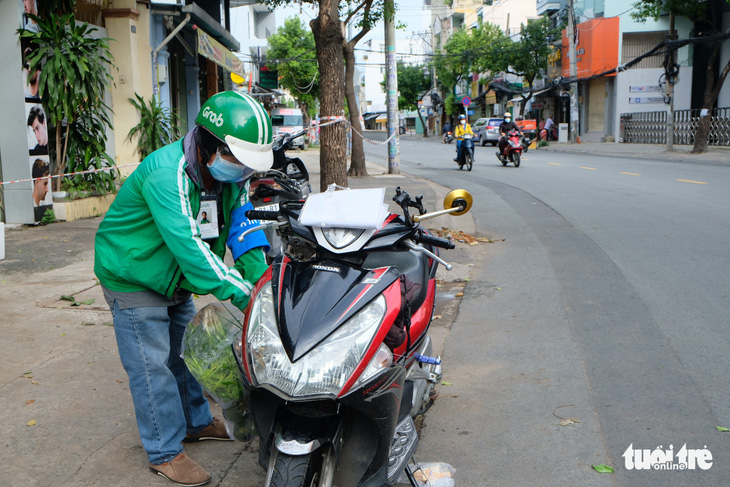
469 160
516 158
315 469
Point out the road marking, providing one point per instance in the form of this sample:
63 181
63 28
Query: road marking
690 181
591 168
631 173
554 163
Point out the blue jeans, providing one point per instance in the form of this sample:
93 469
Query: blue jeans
168 401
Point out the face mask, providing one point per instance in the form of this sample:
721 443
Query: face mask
225 171
463 122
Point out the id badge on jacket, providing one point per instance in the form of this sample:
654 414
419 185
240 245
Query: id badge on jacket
208 218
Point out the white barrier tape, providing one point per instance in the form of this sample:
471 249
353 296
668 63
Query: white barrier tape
340 118
335 119
69 174
374 142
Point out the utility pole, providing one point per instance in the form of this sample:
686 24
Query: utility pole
669 74
573 132
391 82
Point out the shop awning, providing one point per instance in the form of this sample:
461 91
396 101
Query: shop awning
519 98
215 51
370 116
212 27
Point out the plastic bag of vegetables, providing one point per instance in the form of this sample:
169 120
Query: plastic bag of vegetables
208 354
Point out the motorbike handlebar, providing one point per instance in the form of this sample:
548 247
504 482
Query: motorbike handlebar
435 241
262 215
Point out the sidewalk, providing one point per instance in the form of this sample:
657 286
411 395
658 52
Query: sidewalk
69 419
681 153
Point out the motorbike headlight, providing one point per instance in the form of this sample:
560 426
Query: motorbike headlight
322 371
341 237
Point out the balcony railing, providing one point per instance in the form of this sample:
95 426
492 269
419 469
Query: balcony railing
651 127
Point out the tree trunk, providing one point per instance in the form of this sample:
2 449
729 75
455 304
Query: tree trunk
57 171
357 164
423 124
306 121
328 37
305 115
712 90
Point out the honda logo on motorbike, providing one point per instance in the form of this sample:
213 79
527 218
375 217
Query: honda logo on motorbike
215 118
326 268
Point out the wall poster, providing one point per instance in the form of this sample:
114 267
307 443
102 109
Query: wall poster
35 120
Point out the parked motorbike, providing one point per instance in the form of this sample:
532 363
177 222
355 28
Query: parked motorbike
335 357
526 141
288 179
553 135
466 152
513 149
448 138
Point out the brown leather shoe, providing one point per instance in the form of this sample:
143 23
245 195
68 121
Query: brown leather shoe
183 471
214 431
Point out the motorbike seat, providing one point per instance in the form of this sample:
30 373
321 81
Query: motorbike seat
413 264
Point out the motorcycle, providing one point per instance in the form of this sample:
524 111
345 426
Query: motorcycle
334 355
448 138
513 149
288 179
466 152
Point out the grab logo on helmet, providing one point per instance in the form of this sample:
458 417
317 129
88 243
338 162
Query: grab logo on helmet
215 118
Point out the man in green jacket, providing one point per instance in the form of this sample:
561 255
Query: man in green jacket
151 256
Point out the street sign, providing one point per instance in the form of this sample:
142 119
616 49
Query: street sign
470 112
466 101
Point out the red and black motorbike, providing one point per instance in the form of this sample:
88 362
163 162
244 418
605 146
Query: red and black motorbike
335 357
512 150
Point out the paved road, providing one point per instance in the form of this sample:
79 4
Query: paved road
605 303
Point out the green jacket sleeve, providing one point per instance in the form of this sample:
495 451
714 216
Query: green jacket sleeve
252 265
166 192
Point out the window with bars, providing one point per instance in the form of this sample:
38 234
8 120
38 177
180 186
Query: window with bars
637 43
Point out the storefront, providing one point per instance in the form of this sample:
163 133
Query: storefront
596 53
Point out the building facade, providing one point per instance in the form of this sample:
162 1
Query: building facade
180 52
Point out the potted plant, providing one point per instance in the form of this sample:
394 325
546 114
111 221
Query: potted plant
157 126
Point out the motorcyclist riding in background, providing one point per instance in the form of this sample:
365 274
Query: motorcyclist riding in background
461 129
504 128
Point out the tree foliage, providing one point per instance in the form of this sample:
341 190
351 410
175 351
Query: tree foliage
485 49
528 57
653 9
413 82
293 50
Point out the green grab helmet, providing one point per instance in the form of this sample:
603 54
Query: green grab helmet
242 123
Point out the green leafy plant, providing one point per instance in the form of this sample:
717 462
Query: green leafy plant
48 217
208 355
74 76
157 126
87 146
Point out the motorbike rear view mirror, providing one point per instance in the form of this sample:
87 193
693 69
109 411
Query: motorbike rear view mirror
458 202
458 198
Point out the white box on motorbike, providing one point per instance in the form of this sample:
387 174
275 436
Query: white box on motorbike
352 208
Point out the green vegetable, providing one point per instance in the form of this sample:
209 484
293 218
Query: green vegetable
207 353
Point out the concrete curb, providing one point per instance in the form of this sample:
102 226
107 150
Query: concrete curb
714 155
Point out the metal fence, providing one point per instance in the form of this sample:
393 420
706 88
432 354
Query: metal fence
651 127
